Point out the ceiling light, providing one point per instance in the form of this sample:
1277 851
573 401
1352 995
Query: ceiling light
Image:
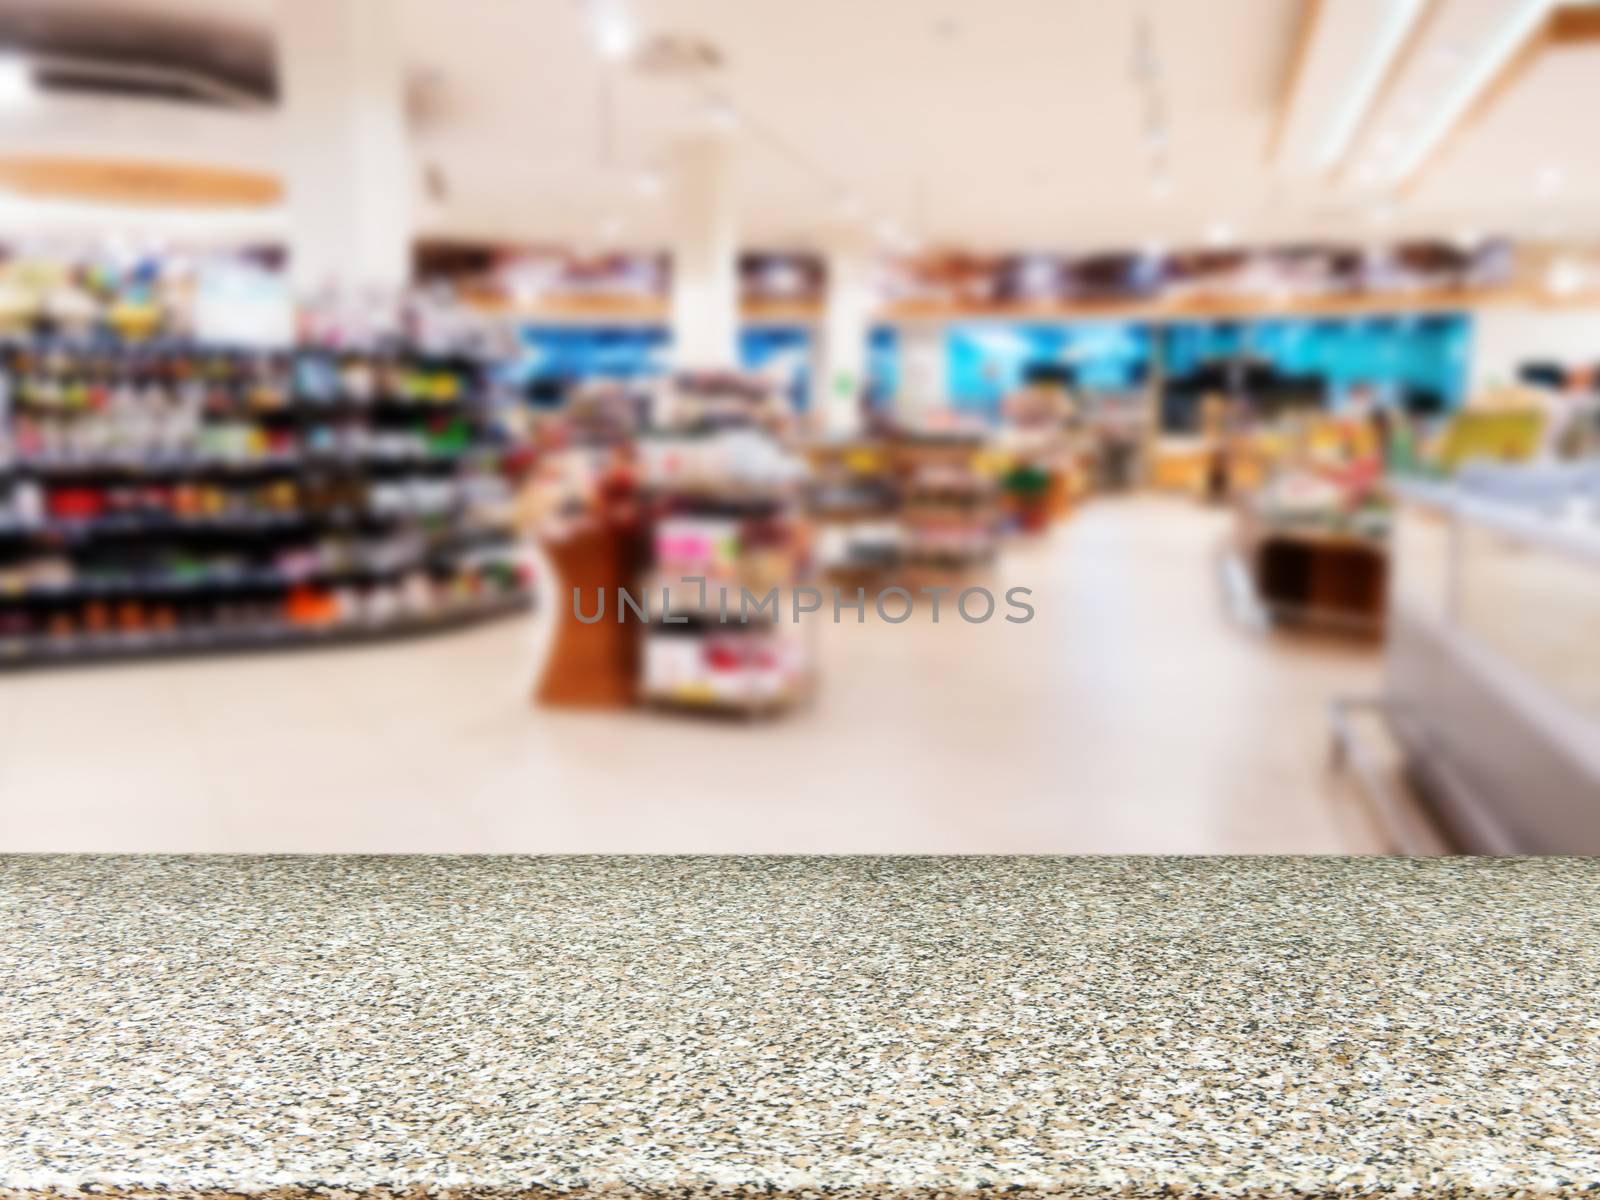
1154 249
1469 239
1402 14
17 87
611 29
1220 233
648 183
1565 277
1550 179
1512 34
720 116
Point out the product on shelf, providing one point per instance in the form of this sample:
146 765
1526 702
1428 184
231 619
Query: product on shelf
176 496
707 664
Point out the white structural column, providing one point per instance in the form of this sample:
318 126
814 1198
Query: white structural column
347 157
924 370
705 254
841 376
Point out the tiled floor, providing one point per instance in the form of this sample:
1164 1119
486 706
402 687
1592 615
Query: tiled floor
1130 715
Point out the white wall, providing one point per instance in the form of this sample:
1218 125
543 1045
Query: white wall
1503 338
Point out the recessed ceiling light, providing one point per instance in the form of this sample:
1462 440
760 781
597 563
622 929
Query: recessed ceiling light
648 183
721 116
1565 277
611 29
1220 233
1550 179
17 87
1468 239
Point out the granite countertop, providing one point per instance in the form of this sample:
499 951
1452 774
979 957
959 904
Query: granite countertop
679 1027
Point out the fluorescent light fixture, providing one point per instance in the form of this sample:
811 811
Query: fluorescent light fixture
17 87
1397 22
611 28
1523 20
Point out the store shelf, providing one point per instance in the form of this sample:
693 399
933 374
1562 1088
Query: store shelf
24 653
91 528
200 587
158 468
179 495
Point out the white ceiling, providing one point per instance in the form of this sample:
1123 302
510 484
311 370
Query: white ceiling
1013 123
1006 124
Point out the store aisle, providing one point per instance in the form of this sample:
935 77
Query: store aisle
1129 716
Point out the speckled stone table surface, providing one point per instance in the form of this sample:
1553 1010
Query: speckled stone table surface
677 1027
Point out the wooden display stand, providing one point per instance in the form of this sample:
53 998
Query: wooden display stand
1317 577
594 665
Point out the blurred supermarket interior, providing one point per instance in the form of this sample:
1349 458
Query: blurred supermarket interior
351 351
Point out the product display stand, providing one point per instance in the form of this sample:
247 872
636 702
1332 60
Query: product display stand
591 665
1309 576
949 507
723 506
854 501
